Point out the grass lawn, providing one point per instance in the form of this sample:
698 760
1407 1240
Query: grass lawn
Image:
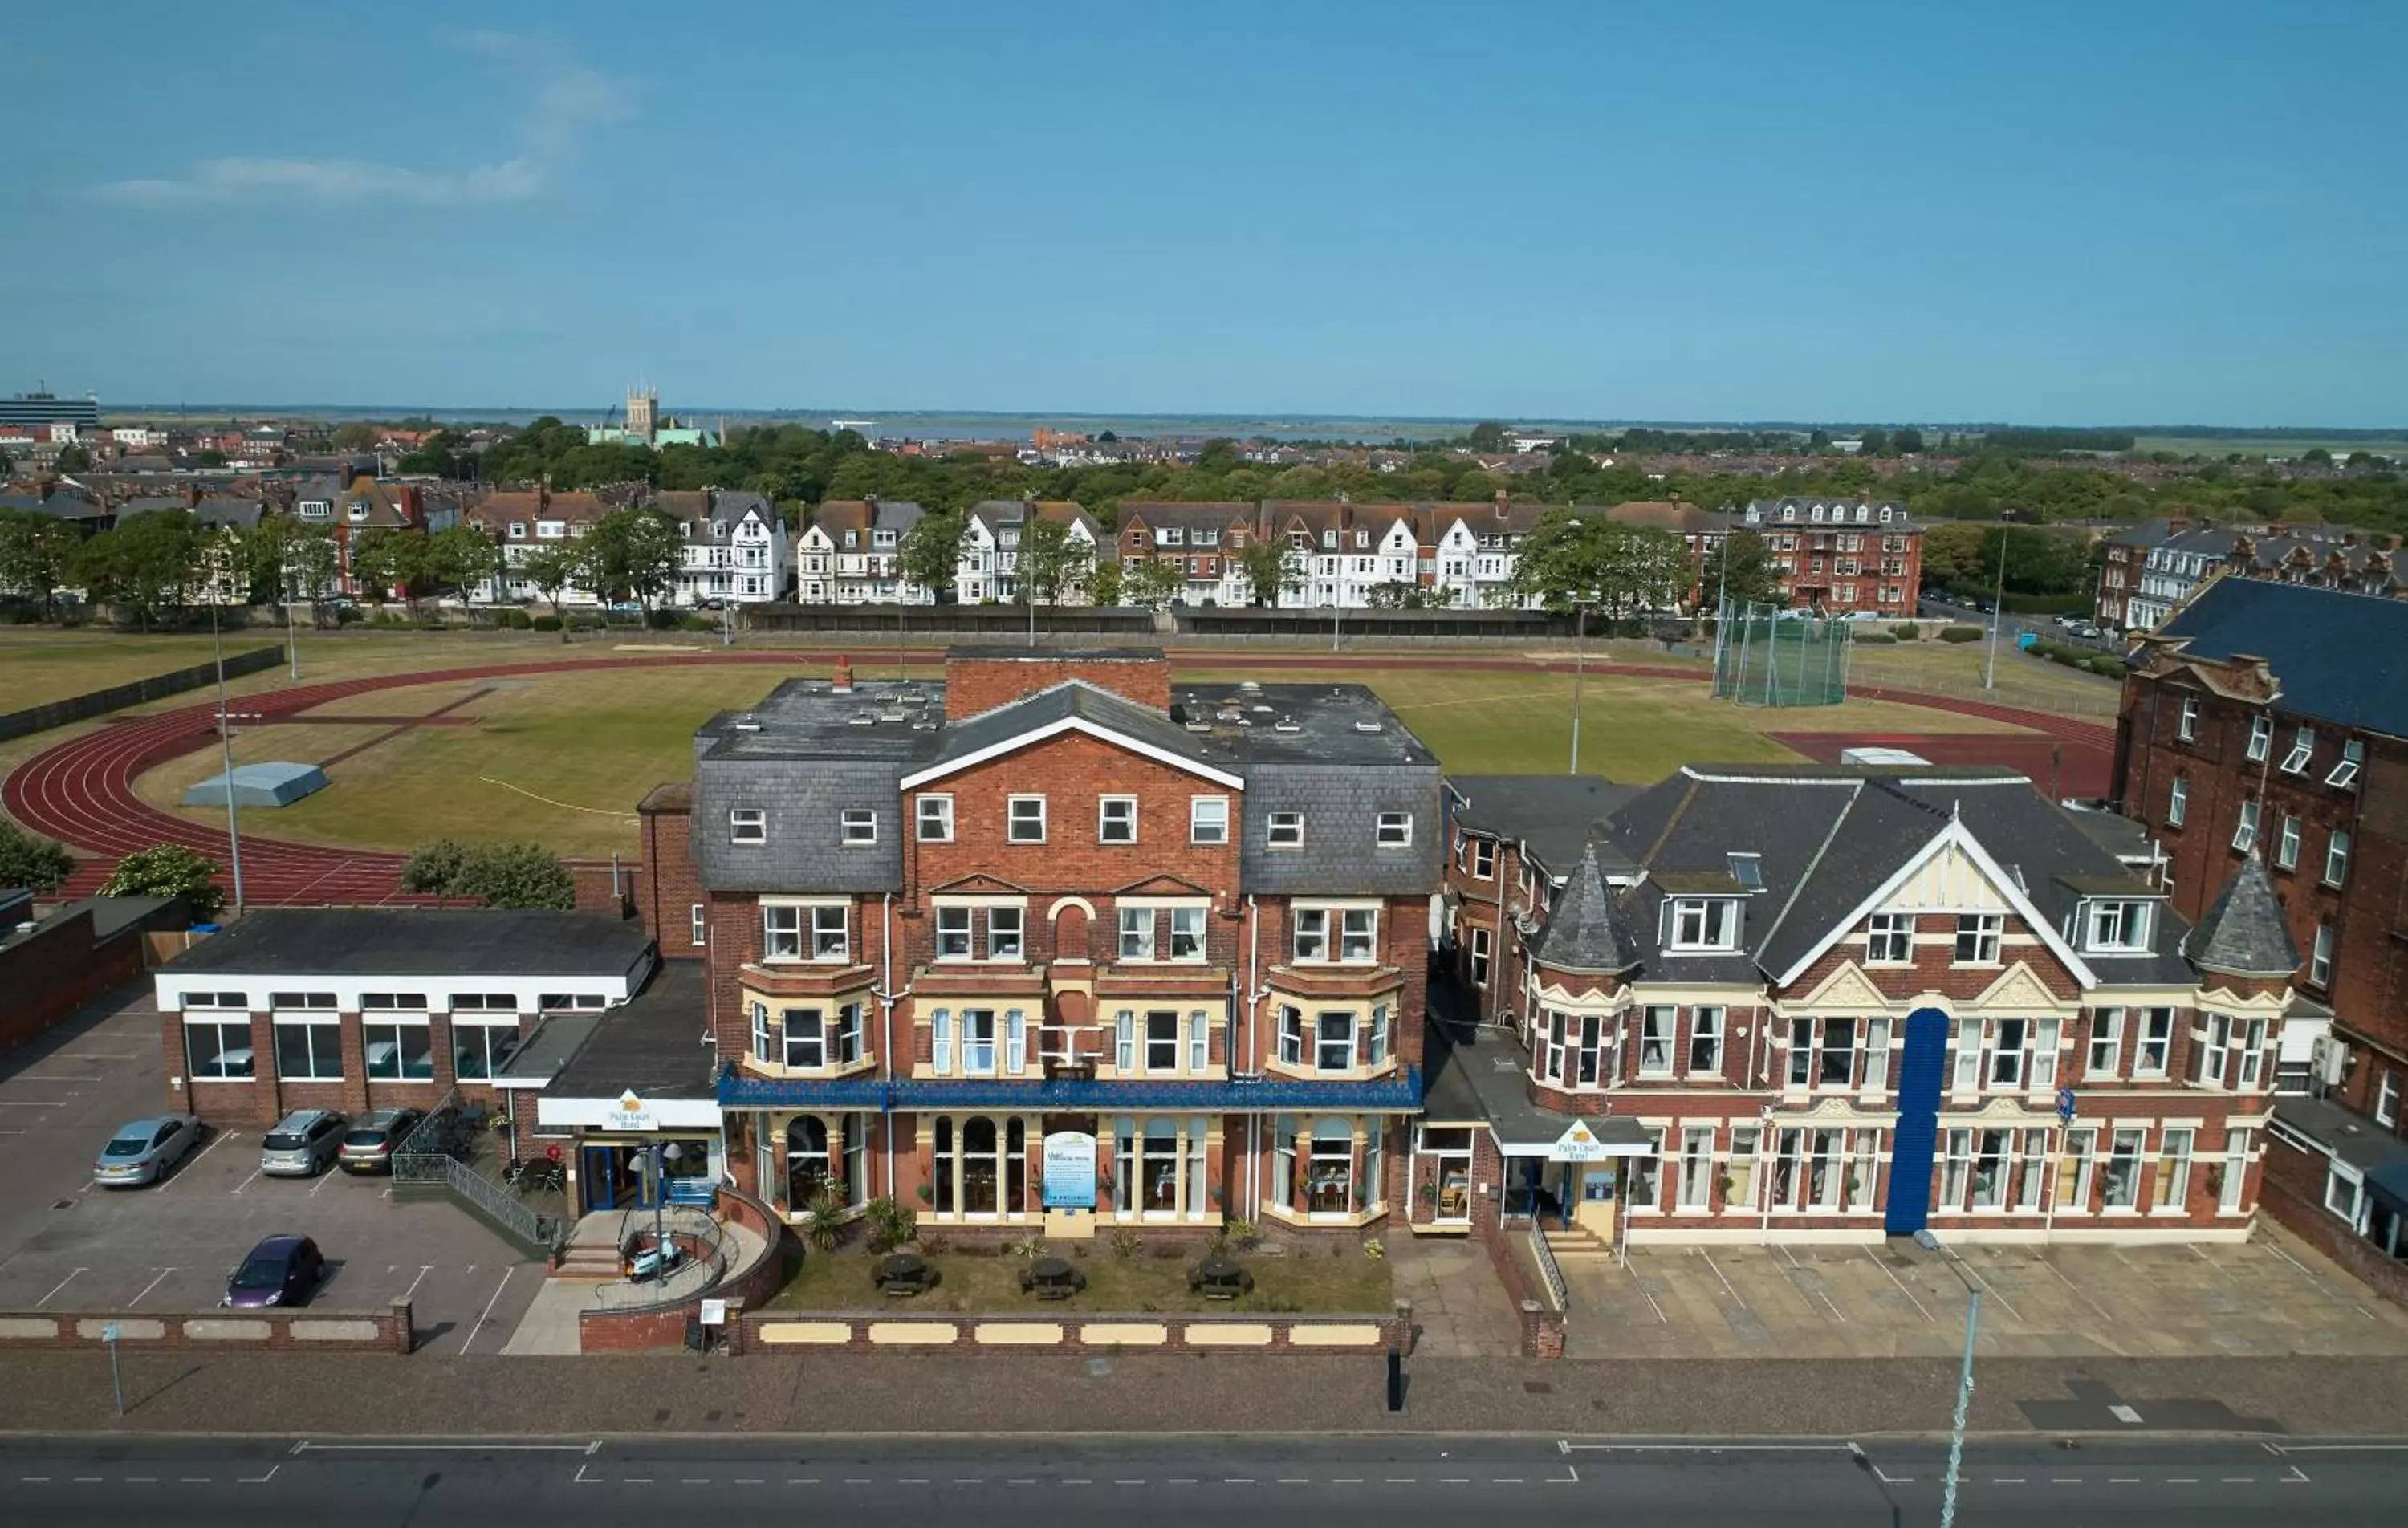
1954 668
1347 1281
43 667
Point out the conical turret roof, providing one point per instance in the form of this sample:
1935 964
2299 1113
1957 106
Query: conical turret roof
1586 933
2245 933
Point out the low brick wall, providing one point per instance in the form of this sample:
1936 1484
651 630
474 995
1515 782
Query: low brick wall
229 1331
1542 1325
903 1332
646 1328
2292 1192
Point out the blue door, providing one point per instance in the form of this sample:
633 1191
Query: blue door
1917 1136
599 1177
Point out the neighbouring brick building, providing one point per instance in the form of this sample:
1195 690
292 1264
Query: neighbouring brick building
1053 943
1842 556
2150 570
1831 1003
358 1009
2269 721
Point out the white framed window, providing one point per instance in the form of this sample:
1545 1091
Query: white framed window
2044 1054
2106 1053
2081 1167
1187 933
309 1049
1395 831
1136 934
2287 844
1208 819
1311 936
2244 827
2320 957
2237 1150
1116 820
828 933
1003 934
953 934
1482 953
1889 938
1333 1040
1706 1041
2116 925
1199 1041
2386 1099
2124 1168
2177 801
2337 857
1978 935
2186 726
2345 1193
2157 1039
781 932
2353 759
805 1033
2261 737
1484 859
2303 748
2254 1055
1024 819
701 916
1285 830
1359 934
1291 1036
1876 1054
1655 1026
933 819
1704 923
218 1050
399 1049
1696 1185
748 825
1968 1056
860 827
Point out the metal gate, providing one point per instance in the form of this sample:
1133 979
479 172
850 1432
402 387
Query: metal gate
1917 1138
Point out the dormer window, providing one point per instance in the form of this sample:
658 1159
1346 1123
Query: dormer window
1329 540
359 509
317 509
881 540
852 539
2116 925
1704 923
2186 726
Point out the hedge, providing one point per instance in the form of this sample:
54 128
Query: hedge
1863 638
1906 631
513 621
546 623
1962 634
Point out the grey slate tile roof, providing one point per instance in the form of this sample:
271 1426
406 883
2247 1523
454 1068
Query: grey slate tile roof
1586 932
2245 933
1555 816
2340 657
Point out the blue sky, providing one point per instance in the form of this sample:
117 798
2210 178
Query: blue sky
2125 212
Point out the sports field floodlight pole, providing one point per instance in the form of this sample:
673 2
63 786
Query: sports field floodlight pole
1997 616
1580 672
225 753
1964 1399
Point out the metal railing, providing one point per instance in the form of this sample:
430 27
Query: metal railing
431 1154
1544 1256
705 1268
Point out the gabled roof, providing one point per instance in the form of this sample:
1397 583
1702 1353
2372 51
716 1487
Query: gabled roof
1554 815
1072 706
2245 933
2339 657
1587 932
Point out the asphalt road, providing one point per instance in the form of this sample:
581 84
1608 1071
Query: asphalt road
1056 1483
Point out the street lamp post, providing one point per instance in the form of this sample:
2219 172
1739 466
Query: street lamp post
663 1154
1997 616
1580 673
225 755
1964 1400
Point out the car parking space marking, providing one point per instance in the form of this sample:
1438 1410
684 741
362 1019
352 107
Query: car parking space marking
248 1181
55 1288
152 1285
422 1272
33 1102
324 1178
2322 1288
1725 1282
488 1314
193 1159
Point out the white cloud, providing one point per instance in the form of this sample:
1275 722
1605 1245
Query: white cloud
565 101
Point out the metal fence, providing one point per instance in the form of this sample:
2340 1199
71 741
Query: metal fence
1544 1256
1765 656
689 1279
431 1155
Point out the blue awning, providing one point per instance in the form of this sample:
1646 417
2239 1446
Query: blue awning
1400 1095
2389 1184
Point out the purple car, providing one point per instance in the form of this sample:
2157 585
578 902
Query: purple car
280 1271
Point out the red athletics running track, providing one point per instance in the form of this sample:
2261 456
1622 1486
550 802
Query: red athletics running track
82 793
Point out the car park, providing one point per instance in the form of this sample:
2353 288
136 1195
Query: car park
280 1271
144 1150
368 1146
303 1144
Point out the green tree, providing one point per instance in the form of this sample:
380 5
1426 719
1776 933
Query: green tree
37 865
147 563
497 875
634 553
1739 569
1572 561
1271 567
74 458
461 556
1151 582
1488 437
1051 562
38 553
1908 442
386 558
169 870
1876 443
1104 583
554 568
930 555
356 437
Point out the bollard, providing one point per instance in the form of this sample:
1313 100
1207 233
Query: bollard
1396 1380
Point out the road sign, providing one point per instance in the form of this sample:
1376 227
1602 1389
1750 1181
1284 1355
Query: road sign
714 1313
2065 1105
110 1332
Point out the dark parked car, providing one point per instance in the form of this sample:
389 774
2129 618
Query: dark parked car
373 1137
280 1271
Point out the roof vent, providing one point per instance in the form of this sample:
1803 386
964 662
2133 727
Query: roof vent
1287 723
1229 713
747 726
926 724
894 713
1260 710
1248 687
1199 726
1367 726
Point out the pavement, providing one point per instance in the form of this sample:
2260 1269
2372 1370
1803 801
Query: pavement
2272 1297
1435 1479
66 1245
1459 1308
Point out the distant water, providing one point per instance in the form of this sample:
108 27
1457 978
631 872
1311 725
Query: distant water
892 423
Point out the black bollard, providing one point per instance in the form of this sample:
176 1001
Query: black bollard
1396 1380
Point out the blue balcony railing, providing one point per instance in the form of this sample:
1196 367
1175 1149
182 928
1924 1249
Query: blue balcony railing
1399 1093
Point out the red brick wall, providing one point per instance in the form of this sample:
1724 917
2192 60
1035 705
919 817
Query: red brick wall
265 1098
670 888
49 974
973 685
2293 1192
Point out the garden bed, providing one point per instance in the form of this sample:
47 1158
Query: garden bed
1297 1280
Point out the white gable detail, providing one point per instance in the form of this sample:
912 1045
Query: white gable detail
1948 882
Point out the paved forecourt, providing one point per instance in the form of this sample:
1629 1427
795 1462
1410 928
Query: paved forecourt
67 1246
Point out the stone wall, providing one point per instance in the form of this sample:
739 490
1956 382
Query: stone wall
905 1332
230 1330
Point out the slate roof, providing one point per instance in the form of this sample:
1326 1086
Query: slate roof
651 1043
1586 932
2339 657
2245 933
1553 815
419 942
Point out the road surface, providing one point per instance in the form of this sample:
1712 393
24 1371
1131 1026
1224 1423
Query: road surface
1063 1482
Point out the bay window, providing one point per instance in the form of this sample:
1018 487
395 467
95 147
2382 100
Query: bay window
2229 1196
2155 1043
1291 1036
2007 1056
980 1165
1375 1051
2034 1169
806 1037
2073 1183
1333 1041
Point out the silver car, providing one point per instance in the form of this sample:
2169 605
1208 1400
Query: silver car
303 1144
143 1150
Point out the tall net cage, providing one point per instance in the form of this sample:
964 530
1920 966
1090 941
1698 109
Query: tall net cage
1768 655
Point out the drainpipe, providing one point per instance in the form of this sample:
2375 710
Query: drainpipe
1254 1001
886 1038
